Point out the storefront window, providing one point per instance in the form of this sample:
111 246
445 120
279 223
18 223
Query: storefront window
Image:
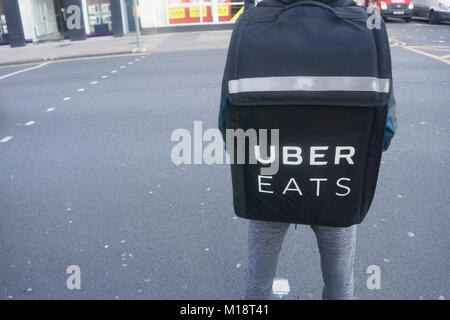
188 11
3 27
99 17
159 13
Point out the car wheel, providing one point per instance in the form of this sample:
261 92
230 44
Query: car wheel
432 18
408 19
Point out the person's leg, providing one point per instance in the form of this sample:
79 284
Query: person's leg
264 245
337 257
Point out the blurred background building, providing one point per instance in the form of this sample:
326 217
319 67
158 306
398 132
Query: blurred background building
30 21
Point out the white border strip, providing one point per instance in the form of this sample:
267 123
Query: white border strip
303 83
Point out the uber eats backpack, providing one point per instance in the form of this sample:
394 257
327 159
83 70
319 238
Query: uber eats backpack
316 72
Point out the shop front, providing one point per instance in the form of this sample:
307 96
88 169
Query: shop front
48 20
98 18
42 20
161 13
3 26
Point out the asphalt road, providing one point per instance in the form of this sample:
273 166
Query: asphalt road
89 181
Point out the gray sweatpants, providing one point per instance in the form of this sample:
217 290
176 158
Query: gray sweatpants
337 256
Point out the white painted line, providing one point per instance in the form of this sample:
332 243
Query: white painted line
122 67
280 287
104 77
94 82
67 98
130 62
81 90
24 70
30 123
6 139
50 109
136 60
114 71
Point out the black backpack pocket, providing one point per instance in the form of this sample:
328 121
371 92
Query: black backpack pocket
331 175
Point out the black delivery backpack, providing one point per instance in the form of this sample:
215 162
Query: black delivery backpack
315 71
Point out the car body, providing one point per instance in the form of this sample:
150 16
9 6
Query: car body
391 8
434 10
396 9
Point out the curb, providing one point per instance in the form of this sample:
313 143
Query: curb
186 28
87 55
144 31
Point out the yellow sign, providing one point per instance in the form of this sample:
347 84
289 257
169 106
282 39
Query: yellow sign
177 13
195 12
224 11
138 11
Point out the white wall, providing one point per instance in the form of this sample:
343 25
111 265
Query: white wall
153 13
38 18
123 7
85 17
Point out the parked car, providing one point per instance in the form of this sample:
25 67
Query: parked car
435 10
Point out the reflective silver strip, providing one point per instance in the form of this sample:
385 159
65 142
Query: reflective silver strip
309 84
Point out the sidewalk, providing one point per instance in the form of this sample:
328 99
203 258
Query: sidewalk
101 46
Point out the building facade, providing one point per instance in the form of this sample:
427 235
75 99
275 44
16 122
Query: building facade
29 21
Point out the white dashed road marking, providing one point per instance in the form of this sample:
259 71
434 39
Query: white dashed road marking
114 71
67 98
94 82
6 139
30 123
50 109
130 62
81 90
104 77
121 67
280 287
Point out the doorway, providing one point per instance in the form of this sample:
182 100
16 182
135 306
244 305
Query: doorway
60 16
130 16
3 27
